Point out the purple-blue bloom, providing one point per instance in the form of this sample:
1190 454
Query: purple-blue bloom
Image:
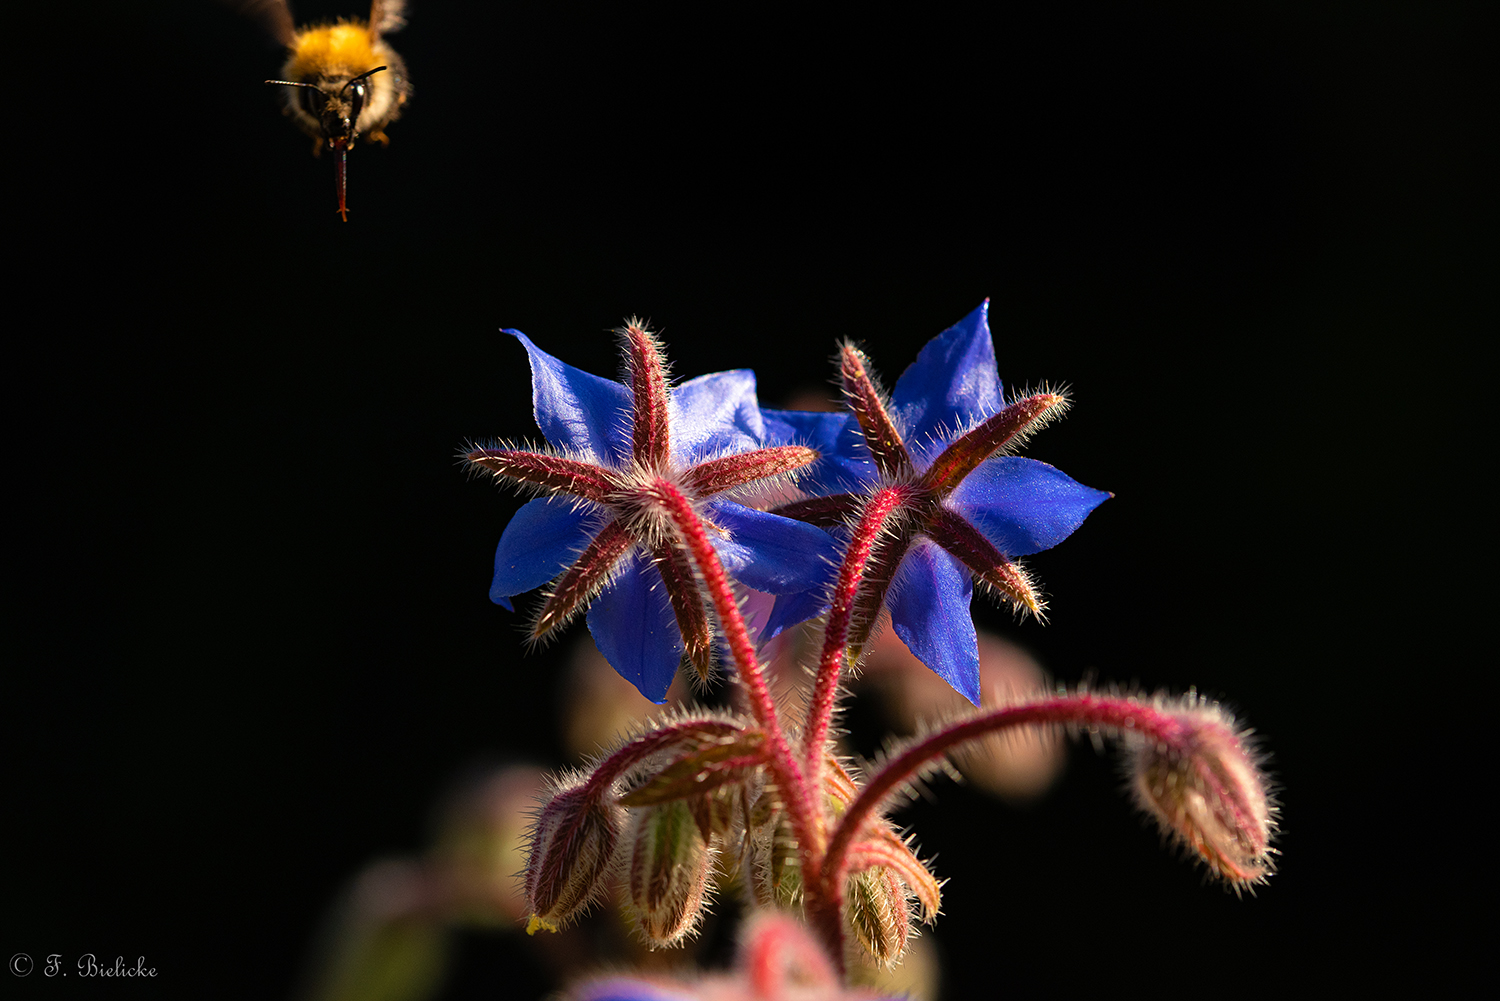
624 989
599 532
971 511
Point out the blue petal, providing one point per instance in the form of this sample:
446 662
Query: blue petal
791 609
1024 506
636 630
771 553
714 414
540 542
845 465
952 384
929 605
576 410
624 989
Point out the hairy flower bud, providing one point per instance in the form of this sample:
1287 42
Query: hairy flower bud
877 910
569 855
1205 788
770 861
668 871
783 870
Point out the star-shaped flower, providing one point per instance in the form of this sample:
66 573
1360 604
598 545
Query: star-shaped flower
957 509
602 532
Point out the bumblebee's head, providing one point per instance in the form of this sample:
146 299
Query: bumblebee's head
335 106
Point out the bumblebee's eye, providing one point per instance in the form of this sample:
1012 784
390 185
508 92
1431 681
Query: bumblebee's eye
313 100
356 103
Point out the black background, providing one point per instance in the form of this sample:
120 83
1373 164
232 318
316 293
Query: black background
249 636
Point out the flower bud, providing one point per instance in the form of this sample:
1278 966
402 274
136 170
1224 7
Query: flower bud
877 911
668 873
772 867
569 855
1205 788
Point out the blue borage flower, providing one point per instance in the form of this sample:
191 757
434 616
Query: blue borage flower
965 512
600 534
622 989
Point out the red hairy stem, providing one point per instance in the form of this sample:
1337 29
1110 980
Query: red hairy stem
872 522
775 948
824 907
802 799
651 433
825 914
569 476
1082 710
801 803
612 767
879 572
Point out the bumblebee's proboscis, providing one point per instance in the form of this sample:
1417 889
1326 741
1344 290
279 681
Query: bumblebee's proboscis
342 80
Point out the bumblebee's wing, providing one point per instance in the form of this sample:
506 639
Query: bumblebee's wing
274 15
386 16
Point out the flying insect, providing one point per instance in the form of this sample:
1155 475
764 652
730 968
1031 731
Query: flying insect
342 80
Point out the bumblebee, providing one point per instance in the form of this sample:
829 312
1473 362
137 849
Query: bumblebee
342 80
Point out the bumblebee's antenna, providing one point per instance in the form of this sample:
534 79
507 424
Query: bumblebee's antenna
312 86
362 76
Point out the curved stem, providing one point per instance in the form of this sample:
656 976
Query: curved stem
612 767
1083 710
877 511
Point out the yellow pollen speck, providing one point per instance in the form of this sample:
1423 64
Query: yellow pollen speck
539 922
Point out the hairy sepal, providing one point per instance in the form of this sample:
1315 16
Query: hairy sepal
885 849
544 472
871 408
878 913
702 770
998 434
571 847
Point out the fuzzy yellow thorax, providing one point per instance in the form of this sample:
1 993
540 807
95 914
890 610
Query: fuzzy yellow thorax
342 49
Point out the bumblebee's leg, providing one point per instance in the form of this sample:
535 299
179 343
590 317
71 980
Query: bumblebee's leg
379 136
317 146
